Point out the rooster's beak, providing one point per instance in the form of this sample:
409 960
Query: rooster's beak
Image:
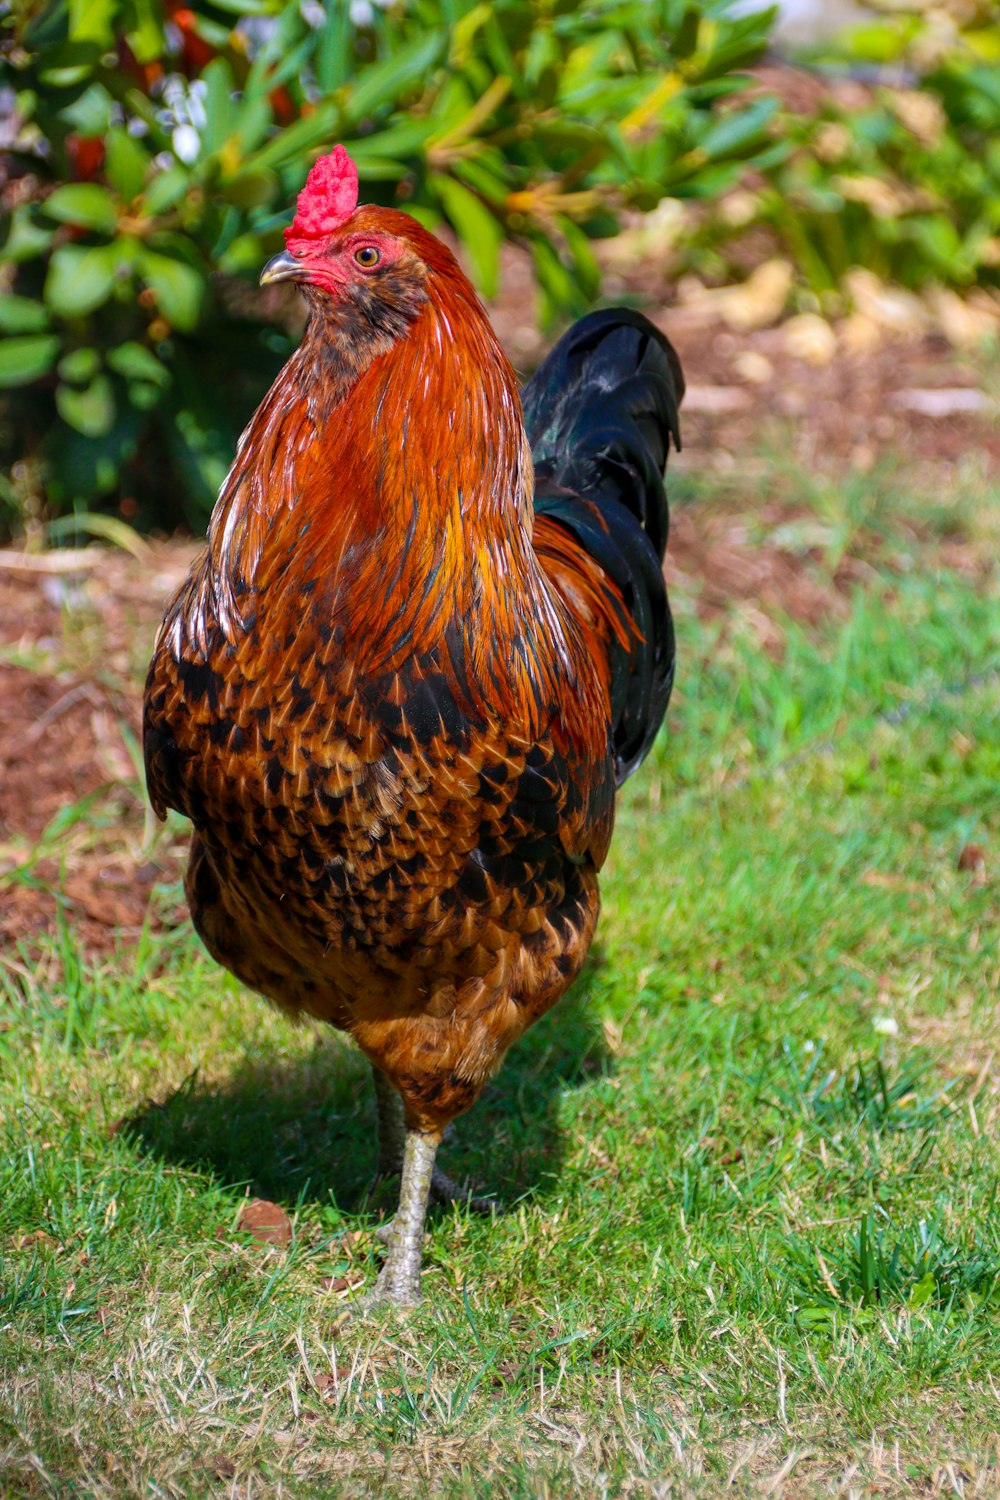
283 267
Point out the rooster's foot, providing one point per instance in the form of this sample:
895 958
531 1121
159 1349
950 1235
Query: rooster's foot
445 1190
400 1289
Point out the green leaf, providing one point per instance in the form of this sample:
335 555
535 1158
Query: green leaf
502 60
79 366
250 189
244 257
463 34
284 53
735 131
80 278
382 85
68 63
558 292
126 164
125 252
430 218
938 239
584 260
135 362
179 289
246 7
291 144
815 1317
924 1290
145 34
166 189
685 39
483 179
377 168
403 138
90 411
882 42
25 239
253 121
92 21
106 528
333 57
479 230
219 107
83 203
22 315
91 112
26 359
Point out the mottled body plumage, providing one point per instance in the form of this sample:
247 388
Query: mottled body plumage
389 699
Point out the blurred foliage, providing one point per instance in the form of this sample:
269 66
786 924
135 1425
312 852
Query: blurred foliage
895 168
153 151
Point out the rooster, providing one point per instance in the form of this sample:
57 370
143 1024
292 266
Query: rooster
427 640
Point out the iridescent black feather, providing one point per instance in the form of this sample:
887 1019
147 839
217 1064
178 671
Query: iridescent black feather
600 413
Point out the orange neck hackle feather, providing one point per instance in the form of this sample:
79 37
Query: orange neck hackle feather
382 497
396 497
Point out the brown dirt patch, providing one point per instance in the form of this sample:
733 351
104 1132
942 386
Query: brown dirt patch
714 559
830 419
74 831
839 417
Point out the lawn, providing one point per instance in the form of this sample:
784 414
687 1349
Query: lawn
746 1236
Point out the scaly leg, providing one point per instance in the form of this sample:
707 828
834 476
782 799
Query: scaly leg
391 1142
399 1279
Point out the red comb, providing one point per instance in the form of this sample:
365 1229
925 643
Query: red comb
328 199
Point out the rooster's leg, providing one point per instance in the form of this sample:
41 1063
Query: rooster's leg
391 1127
399 1279
391 1142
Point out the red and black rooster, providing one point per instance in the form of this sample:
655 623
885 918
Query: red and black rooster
428 639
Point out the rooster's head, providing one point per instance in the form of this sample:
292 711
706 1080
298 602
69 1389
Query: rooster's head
339 252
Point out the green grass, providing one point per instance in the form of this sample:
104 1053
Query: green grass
748 1171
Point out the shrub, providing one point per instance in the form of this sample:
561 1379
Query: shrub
901 177
156 149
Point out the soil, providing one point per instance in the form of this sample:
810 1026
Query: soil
76 629
75 837
839 418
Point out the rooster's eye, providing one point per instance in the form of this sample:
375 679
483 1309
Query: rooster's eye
367 256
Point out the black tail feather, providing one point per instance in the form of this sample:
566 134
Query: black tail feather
600 413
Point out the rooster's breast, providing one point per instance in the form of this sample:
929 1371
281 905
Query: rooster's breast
379 824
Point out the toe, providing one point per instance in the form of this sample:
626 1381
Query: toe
446 1190
397 1291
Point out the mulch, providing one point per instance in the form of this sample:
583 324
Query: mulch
835 419
74 632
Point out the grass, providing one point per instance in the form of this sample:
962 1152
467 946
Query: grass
749 1238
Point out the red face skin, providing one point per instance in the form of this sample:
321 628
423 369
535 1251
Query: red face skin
348 257
332 264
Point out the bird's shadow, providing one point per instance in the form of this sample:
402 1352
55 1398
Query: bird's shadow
305 1130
